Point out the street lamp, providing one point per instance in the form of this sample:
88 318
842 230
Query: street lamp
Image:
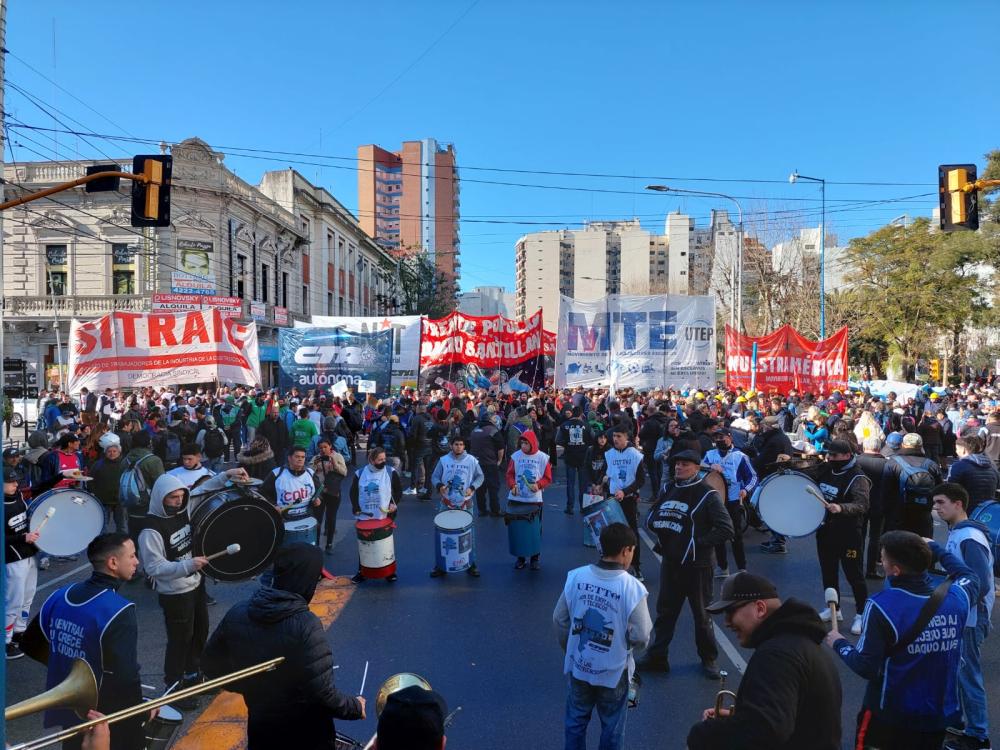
793 178
607 312
736 296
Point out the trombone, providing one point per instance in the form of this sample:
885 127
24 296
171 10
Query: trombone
79 692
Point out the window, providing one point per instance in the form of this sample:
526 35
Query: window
57 272
329 303
305 300
341 311
350 307
241 272
122 268
265 276
284 288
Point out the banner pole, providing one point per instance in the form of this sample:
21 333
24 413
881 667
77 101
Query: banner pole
753 368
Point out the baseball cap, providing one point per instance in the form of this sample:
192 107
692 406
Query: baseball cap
9 475
912 440
11 452
742 587
411 717
894 440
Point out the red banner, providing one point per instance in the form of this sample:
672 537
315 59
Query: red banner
786 360
467 352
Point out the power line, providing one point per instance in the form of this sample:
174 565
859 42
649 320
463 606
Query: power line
39 104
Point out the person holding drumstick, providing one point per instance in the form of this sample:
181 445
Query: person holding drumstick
375 493
456 477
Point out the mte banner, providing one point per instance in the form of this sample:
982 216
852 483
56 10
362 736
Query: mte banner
405 340
319 357
786 360
133 350
636 342
494 353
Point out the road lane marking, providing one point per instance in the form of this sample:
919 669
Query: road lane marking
720 635
63 577
223 723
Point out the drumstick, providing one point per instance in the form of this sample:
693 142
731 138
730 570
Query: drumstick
364 679
48 514
833 600
817 494
232 549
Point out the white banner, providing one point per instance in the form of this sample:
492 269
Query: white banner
133 350
405 340
636 342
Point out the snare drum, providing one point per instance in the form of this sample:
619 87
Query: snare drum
236 516
790 503
301 530
376 548
454 541
77 517
161 730
599 516
524 528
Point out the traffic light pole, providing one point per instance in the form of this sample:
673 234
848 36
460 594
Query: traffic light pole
72 184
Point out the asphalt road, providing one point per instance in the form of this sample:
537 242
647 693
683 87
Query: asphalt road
487 644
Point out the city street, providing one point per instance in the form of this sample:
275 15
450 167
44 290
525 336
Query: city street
487 645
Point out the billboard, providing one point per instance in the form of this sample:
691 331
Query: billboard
320 357
231 307
405 340
786 360
133 350
462 352
636 342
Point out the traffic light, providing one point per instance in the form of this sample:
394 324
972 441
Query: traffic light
151 196
935 369
959 197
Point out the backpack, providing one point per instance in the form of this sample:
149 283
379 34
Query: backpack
215 446
132 489
351 418
171 448
916 484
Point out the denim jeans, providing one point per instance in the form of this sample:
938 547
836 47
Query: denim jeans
612 709
117 515
214 465
574 487
971 690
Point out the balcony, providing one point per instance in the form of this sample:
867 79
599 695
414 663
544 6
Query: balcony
75 307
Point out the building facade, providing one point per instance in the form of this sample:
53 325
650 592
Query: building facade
408 200
800 257
484 301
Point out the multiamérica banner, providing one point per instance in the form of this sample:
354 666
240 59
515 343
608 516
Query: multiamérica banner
786 360
133 350
462 352
636 342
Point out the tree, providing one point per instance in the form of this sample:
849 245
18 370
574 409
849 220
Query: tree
417 287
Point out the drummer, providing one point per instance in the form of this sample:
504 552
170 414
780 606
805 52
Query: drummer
191 471
375 493
528 473
293 487
456 477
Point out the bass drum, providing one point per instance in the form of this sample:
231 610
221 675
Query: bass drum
790 503
718 482
237 516
67 520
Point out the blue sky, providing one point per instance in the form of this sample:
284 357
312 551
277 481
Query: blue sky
682 93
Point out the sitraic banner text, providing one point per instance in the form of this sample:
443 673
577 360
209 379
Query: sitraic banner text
134 350
636 342
786 360
495 353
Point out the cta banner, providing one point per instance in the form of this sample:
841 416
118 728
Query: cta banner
462 352
133 350
405 340
636 342
786 360
320 357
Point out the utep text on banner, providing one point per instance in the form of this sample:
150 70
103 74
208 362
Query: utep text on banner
493 353
786 360
319 357
405 340
134 350
636 342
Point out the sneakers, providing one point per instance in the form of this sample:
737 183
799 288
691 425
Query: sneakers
956 739
856 625
825 615
210 600
711 670
393 578
14 651
410 491
521 564
328 548
358 578
648 664
473 571
773 548
722 572
437 573
536 564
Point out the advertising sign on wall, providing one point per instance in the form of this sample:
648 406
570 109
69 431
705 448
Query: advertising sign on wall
786 360
231 307
280 316
467 352
636 342
185 283
258 311
320 357
405 340
132 350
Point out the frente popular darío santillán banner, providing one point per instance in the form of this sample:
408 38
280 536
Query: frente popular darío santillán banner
405 340
320 357
461 352
636 342
133 350
786 360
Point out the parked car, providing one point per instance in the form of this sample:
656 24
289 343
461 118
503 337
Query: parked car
24 410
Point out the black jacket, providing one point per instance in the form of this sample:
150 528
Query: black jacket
294 704
653 428
419 440
768 446
790 696
275 432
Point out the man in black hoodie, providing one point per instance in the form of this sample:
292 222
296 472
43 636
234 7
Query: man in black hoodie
298 699
790 696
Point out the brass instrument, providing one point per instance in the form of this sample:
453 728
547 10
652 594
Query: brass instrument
721 696
73 692
78 691
394 684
